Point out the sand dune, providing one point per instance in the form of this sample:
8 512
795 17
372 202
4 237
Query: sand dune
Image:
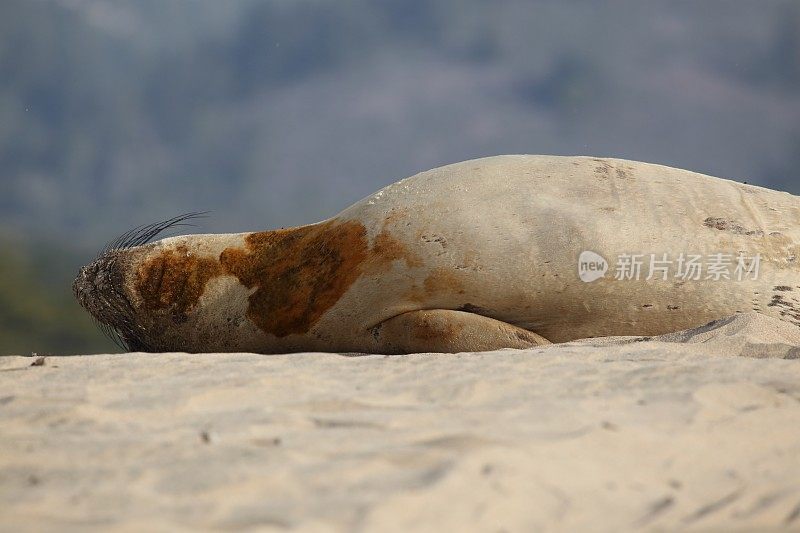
698 430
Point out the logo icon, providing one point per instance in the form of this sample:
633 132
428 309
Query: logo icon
591 266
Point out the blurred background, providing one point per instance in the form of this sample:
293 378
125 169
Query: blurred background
280 112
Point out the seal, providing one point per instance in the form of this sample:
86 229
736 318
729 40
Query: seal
503 252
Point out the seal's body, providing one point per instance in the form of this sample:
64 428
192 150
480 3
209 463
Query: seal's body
477 255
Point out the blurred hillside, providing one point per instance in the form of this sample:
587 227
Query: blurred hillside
271 113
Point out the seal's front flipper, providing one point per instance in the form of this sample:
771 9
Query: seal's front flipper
443 330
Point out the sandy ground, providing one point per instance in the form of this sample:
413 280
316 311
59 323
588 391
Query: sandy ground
692 431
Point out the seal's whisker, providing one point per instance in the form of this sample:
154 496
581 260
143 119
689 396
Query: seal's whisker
122 330
114 243
133 238
147 237
116 336
111 334
140 236
145 234
118 340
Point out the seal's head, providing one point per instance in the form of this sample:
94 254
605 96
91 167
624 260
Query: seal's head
260 291
132 278
100 289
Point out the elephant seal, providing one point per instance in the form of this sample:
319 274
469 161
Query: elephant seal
507 251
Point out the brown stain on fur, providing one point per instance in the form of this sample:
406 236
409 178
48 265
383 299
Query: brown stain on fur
298 273
386 248
175 280
442 280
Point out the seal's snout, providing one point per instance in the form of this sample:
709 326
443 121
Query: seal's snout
98 288
83 286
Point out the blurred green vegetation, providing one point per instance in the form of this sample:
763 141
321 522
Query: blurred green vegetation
38 313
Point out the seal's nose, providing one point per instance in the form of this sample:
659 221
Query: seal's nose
83 286
95 287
